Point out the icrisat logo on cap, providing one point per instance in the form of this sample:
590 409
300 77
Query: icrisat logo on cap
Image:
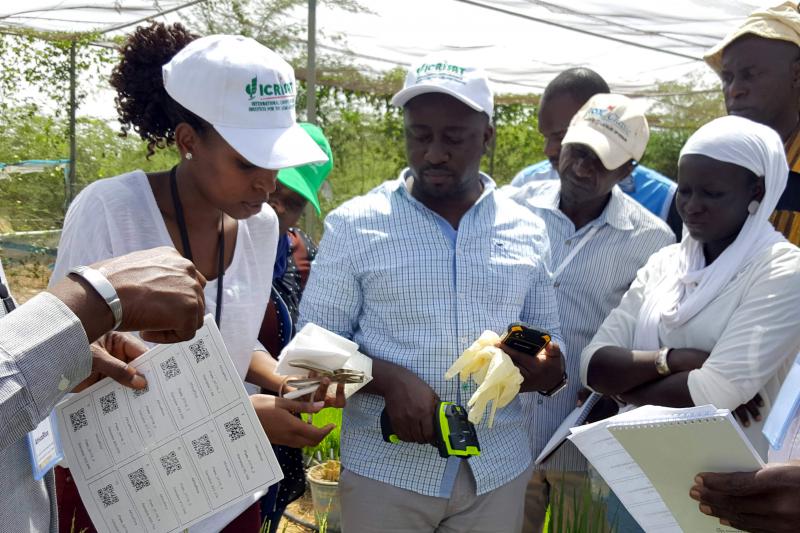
270 96
609 120
444 70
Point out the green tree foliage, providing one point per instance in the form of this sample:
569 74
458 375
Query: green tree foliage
36 201
36 68
517 142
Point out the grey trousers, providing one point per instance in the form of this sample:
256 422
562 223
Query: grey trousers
371 506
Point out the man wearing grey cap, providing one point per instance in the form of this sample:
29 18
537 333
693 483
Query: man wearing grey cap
414 272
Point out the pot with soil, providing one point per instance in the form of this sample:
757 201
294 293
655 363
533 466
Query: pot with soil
324 482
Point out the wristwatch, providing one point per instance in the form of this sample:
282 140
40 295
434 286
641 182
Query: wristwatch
661 362
555 390
103 287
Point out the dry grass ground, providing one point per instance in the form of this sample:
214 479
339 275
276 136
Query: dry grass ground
27 278
302 509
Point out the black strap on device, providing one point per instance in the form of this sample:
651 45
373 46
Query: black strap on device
187 248
8 302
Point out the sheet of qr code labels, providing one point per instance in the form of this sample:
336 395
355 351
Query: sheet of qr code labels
162 459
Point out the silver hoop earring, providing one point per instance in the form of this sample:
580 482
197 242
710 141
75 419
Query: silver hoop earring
752 207
188 156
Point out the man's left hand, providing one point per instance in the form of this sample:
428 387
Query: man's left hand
111 354
766 500
540 372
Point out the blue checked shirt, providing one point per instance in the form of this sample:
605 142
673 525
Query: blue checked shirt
587 290
388 277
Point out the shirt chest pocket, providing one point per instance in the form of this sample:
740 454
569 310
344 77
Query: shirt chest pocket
507 273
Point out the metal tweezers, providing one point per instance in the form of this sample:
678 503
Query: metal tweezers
342 375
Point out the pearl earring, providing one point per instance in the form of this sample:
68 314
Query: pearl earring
752 207
188 156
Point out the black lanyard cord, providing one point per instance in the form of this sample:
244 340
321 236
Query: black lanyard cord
187 248
5 297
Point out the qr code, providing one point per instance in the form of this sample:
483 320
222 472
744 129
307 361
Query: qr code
170 368
202 446
108 496
170 463
234 429
199 350
108 403
139 479
78 419
139 392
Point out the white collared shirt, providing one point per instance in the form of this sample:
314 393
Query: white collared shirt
587 289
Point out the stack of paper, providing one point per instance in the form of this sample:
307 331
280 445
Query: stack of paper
650 456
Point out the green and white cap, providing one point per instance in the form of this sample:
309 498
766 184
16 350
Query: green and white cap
437 74
307 179
247 93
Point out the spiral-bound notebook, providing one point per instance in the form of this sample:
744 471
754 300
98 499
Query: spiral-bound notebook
672 450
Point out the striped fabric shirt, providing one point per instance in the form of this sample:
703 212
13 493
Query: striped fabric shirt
388 276
652 190
786 217
43 353
589 287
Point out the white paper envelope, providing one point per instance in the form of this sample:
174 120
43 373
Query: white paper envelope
324 349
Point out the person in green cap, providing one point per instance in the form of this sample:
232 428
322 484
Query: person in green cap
296 187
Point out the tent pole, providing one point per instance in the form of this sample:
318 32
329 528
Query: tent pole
71 181
311 69
310 215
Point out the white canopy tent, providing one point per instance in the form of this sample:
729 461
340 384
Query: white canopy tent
523 43
634 44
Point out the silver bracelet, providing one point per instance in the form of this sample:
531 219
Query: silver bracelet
661 362
104 288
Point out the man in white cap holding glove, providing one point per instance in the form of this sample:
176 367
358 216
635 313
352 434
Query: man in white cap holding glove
414 272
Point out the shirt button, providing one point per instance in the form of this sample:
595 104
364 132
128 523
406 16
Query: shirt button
556 284
540 402
568 242
63 384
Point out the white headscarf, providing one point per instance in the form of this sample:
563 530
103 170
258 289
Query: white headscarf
757 148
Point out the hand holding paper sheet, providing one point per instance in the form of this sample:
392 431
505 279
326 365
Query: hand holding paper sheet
649 456
185 449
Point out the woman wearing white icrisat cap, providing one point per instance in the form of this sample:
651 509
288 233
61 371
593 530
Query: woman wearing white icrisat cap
227 104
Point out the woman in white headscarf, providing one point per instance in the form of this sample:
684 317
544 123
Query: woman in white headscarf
713 319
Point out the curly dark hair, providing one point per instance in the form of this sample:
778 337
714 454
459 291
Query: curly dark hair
142 101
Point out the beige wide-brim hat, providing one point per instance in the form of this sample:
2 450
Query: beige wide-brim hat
781 22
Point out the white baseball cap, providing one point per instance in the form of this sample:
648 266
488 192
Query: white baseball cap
435 74
613 126
247 93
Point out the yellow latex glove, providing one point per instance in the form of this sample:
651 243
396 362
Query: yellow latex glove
475 358
500 386
497 377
